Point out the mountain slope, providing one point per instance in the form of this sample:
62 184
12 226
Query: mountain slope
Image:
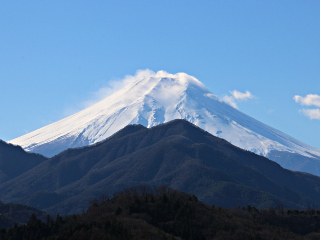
15 161
153 98
17 214
176 154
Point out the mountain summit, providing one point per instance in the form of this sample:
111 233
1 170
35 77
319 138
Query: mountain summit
153 98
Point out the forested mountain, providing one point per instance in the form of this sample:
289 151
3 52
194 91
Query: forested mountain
15 161
176 154
163 213
17 214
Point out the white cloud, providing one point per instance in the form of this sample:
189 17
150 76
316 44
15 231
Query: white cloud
237 96
230 100
309 100
241 96
112 87
115 85
311 113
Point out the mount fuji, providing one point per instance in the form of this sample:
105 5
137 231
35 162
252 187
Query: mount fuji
152 98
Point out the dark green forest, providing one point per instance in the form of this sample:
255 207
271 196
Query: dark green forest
164 213
12 213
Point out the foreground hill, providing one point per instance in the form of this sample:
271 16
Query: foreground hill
150 99
17 214
176 154
164 213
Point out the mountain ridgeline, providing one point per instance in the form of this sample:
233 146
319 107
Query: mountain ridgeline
177 154
15 161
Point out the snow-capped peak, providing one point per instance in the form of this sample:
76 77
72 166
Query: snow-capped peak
149 99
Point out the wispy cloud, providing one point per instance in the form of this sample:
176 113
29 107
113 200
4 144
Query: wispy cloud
237 96
117 84
111 87
311 113
309 100
241 96
230 100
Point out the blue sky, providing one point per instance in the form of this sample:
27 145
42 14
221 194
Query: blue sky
56 55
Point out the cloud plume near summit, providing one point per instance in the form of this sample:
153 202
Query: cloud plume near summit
117 84
237 96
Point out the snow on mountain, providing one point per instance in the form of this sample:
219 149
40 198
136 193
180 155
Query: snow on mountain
153 98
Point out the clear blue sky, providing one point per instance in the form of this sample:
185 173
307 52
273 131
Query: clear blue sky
54 55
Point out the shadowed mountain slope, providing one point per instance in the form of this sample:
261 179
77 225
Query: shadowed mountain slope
176 154
15 161
17 214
